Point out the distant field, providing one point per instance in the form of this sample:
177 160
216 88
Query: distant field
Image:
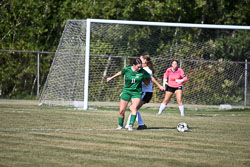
59 136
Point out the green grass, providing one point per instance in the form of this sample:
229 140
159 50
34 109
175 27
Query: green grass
57 136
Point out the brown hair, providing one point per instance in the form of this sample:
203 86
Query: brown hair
149 62
175 61
137 61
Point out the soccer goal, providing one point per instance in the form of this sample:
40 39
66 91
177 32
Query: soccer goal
91 50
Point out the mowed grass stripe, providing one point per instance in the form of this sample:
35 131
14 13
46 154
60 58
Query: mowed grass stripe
58 136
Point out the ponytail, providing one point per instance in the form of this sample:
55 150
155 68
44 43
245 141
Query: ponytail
149 62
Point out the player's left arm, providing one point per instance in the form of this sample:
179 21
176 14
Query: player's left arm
147 77
183 79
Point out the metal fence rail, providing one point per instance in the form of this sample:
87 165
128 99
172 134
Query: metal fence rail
38 55
237 71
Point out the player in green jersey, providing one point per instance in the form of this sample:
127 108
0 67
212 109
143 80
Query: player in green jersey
132 90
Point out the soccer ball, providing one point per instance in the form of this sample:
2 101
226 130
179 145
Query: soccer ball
182 127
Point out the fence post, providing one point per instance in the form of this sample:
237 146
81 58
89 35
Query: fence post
245 93
38 73
180 63
124 61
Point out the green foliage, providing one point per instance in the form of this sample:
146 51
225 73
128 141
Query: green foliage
233 47
204 87
38 25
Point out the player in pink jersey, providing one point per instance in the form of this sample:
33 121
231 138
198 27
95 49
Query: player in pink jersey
173 79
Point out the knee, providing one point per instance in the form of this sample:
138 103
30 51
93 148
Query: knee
121 112
133 108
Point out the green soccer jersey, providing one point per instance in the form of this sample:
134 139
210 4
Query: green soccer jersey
133 79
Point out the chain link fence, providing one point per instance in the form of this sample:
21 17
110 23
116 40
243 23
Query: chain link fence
104 48
210 82
23 73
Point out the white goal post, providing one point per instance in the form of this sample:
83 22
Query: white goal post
102 44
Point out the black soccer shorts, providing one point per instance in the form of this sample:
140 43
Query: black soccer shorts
146 96
171 89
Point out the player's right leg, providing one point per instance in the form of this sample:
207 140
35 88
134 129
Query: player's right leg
124 100
140 122
165 101
138 117
146 97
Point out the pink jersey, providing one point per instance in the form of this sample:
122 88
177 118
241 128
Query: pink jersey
172 76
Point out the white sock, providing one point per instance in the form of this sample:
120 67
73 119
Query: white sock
162 107
128 121
139 119
181 108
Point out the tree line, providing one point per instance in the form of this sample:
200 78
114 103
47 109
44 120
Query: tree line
38 25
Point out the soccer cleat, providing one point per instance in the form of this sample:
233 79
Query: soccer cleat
142 127
126 126
119 127
130 128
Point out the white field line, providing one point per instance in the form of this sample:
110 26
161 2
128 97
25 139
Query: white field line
70 129
89 113
215 115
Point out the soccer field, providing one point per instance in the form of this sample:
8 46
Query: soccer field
33 135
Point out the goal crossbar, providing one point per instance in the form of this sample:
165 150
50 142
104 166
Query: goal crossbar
88 31
167 24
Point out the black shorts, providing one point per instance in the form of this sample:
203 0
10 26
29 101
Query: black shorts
171 89
146 96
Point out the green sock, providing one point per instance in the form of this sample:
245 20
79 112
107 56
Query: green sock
132 120
120 121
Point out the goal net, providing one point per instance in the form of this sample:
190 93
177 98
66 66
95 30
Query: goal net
91 50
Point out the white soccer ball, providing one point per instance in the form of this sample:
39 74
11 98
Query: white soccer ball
182 127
